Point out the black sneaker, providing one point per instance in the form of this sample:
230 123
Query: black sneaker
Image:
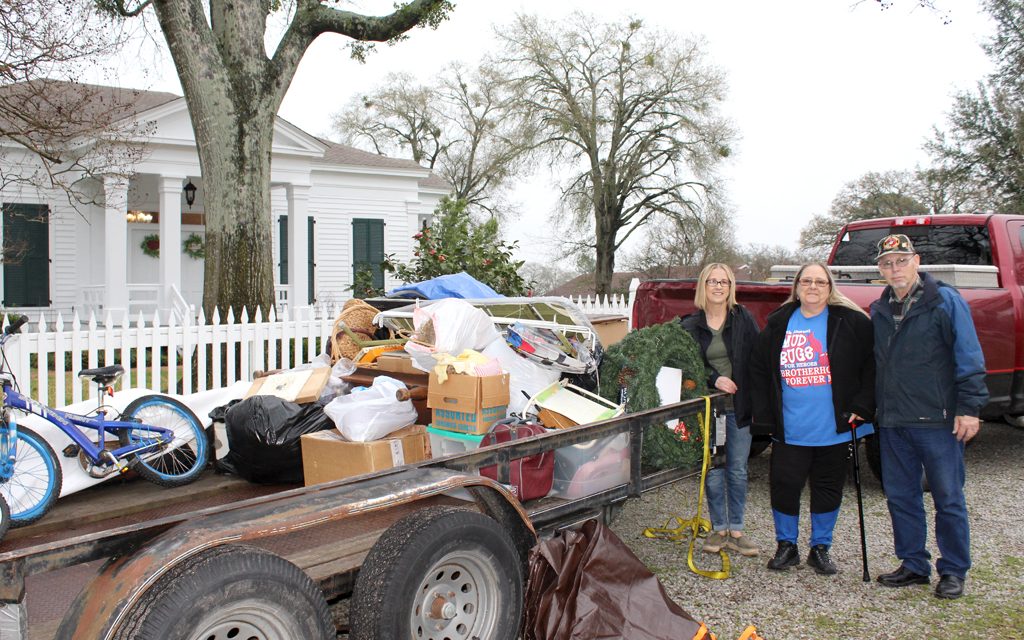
820 560
786 556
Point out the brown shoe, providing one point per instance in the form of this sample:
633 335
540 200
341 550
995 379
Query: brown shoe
742 544
715 541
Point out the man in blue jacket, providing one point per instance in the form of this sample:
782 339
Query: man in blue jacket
930 387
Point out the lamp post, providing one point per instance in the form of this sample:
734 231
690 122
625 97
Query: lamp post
190 193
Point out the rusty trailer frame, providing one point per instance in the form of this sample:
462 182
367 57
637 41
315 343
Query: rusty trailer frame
139 554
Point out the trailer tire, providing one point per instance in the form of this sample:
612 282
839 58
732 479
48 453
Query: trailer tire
230 591
441 572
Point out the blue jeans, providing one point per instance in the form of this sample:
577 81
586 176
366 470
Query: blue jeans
727 486
905 452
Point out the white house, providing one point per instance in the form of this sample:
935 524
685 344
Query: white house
356 205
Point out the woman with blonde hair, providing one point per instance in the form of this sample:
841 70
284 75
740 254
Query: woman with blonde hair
726 333
813 371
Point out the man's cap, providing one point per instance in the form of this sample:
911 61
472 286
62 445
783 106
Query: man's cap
895 243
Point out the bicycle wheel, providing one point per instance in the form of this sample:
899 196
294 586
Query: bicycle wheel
179 462
36 479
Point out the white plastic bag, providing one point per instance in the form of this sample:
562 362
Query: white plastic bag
335 385
454 326
373 413
525 378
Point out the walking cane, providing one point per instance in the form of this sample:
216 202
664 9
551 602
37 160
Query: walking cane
860 502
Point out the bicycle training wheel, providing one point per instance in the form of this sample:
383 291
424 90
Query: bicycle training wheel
35 482
179 462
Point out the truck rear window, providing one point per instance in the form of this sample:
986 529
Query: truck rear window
937 244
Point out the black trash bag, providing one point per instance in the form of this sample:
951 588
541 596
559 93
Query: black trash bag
219 414
263 438
587 584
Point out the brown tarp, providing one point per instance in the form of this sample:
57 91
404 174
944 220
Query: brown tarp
588 585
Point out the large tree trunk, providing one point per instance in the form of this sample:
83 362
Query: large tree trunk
604 247
236 180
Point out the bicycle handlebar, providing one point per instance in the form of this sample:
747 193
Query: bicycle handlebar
16 323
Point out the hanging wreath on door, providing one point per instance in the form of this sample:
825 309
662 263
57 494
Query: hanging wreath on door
194 247
151 245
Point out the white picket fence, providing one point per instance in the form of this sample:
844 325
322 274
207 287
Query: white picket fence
153 349
158 353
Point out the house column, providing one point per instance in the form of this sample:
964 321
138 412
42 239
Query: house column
170 236
298 243
115 250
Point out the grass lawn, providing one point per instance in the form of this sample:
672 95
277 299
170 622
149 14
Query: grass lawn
70 379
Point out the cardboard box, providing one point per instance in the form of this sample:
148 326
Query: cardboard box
294 386
396 362
610 328
327 456
468 404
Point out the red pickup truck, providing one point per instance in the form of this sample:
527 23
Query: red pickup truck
982 255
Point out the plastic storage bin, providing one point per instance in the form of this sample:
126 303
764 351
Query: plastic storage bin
589 467
444 442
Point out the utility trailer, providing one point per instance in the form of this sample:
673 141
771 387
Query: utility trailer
428 550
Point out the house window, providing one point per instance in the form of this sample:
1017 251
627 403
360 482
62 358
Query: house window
368 249
282 234
26 251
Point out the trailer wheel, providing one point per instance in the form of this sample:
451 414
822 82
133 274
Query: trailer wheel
231 591
440 573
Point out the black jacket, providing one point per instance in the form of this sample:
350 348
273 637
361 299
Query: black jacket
851 360
739 334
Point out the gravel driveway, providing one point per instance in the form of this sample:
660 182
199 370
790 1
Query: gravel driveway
801 604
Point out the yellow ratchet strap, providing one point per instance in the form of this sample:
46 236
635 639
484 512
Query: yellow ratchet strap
696 527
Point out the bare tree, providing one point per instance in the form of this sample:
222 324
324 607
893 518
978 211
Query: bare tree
464 126
632 112
674 247
57 131
234 84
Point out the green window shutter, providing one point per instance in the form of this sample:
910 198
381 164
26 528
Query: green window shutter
311 265
26 229
368 248
282 249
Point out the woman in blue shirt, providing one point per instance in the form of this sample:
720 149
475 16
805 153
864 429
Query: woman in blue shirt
813 372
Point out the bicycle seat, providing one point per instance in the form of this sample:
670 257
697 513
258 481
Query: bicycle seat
102 375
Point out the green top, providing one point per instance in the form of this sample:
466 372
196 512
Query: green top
718 356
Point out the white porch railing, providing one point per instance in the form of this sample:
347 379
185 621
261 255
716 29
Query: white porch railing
619 304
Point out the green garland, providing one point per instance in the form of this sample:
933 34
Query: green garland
632 366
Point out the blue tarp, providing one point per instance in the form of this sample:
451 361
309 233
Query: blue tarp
455 285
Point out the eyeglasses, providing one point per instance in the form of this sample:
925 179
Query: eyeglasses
898 262
813 282
712 282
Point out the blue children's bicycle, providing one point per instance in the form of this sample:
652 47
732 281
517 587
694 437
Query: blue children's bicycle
155 436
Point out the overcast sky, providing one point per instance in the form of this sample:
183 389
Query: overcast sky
820 91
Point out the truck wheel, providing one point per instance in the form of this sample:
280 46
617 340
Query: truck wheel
440 573
231 591
758 445
1014 421
874 455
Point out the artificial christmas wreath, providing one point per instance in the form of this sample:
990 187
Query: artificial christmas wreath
151 245
628 371
194 247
